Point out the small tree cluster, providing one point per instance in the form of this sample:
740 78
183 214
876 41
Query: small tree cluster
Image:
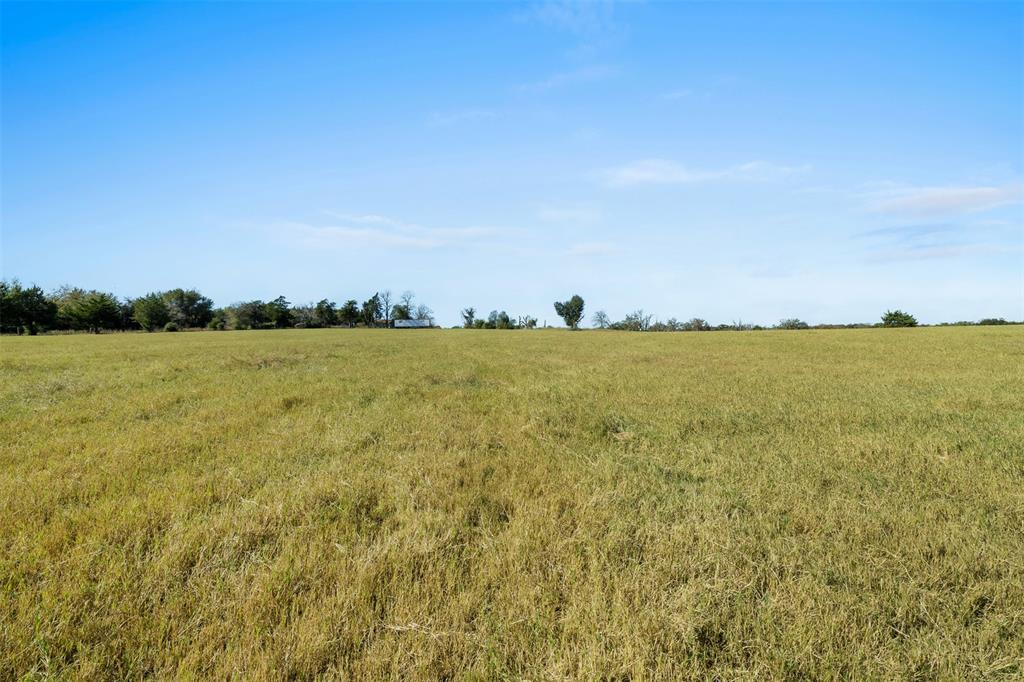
25 309
641 321
279 313
93 311
172 310
898 318
496 320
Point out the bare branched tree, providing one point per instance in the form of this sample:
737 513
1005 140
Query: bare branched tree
385 301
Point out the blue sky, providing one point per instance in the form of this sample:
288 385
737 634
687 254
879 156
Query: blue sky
728 161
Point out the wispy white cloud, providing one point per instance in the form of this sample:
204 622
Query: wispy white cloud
666 172
586 74
935 252
582 17
591 249
911 233
652 172
937 201
763 171
932 241
375 231
368 219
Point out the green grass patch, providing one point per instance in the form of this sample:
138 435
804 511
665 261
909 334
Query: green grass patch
542 505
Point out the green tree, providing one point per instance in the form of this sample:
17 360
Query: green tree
468 315
95 311
10 307
151 312
325 313
279 313
898 318
188 308
371 311
304 317
248 315
499 320
126 312
89 310
792 323
571 311
348 314
40 312
400 312
219 320
25 309
67 299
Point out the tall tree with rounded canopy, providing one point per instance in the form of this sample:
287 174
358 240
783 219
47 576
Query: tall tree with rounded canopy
571 311
188 307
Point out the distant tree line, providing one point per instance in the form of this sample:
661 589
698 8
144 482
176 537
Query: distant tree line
640 321
30 310
376 311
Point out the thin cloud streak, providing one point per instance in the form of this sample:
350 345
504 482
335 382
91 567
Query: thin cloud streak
575 16
666 172
911 232
935 252
377 231
933 241
937 201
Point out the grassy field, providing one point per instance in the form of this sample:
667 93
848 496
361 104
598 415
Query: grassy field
542 505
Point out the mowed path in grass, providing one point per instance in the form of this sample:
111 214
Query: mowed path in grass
489 504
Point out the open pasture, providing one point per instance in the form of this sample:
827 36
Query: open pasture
540 505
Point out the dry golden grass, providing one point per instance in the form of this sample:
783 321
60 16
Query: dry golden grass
542 505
